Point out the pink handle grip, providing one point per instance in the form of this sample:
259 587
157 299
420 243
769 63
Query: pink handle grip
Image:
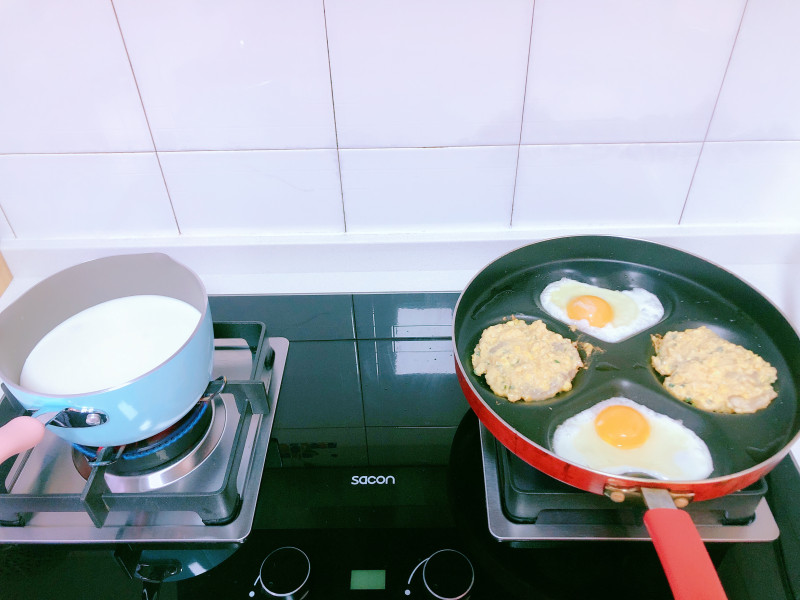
18 435
683 555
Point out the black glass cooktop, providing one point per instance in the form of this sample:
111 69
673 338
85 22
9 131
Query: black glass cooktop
373 466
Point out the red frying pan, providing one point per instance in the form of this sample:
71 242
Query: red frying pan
694 292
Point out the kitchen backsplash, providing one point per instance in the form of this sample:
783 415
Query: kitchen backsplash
183 119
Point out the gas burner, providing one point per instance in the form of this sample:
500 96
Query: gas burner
197 483
161 447
161 459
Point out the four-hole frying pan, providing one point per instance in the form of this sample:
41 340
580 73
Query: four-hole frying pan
693 292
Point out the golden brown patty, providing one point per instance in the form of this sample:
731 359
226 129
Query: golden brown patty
712 373
524 361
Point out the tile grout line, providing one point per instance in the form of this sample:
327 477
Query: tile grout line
522 118
333 108
713 112
146 118
382 148
10 226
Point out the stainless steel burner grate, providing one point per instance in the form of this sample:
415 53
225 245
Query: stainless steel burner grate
43 497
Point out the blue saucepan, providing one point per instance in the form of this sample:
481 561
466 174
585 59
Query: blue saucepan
127 412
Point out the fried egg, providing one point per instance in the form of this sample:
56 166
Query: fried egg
608 315
619 436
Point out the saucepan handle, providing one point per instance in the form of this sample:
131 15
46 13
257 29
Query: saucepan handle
689 569
18 435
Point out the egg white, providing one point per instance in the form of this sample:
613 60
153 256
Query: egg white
634 310
672 452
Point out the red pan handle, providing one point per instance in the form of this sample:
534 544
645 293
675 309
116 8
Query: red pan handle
683 555
18 435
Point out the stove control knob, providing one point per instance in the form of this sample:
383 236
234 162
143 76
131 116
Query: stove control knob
448 575
284 574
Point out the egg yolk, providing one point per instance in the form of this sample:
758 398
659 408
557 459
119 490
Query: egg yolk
594 309
622 426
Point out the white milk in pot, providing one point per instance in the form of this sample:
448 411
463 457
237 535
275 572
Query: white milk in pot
109 344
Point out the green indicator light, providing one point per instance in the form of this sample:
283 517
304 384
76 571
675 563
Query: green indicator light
367 579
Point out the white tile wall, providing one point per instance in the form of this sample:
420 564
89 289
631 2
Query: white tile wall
751 182
761 95
255 192
66 82
241 74
85 195
428 189
626 71
604 184
350 117
411 73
